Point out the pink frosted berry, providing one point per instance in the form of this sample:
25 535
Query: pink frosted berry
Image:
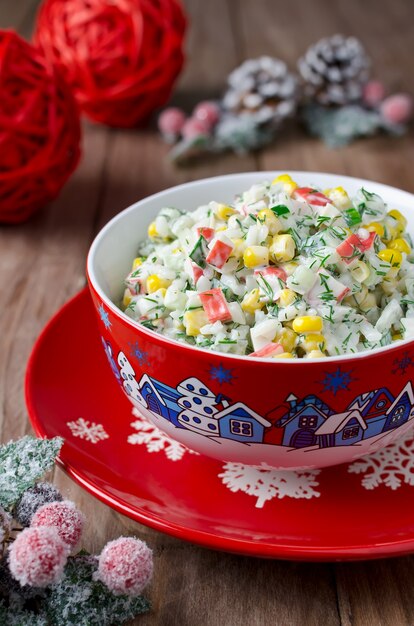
125 566
171 121
37 557
397 109
207 112
65 517
194 128
374 92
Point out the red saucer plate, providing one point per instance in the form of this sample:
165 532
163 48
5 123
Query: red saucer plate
358 511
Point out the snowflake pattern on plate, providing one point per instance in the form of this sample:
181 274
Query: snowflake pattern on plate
266 484
90 431
155 440
221 374
339 380
392 466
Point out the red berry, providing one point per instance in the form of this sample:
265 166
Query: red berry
194 128
208 112
37 557
373 93
65 517
125 566
171 121
397 109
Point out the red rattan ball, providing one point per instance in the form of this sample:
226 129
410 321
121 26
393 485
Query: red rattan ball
39 130
120 58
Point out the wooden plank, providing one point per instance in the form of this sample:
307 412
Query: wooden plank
376 593
14 13
43 263
196 587
212 49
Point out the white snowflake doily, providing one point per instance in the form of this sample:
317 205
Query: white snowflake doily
391 466
90 431
266 484
155 440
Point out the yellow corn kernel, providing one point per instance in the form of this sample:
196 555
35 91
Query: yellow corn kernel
315 354
360 271
152 231
154 283
313 341
369 302
176 250
375 227
357 298
193 321
400 244
283 355
394 257
289 185
339 197
251 301
239 246
127 297
162 291
389 284
396 336
290 267
307 324
267 217
137 262
399 217
221 228
286 297
254 256
287 339
178 325
223 212
282 248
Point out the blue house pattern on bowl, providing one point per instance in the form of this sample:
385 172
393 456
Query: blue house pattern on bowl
307 423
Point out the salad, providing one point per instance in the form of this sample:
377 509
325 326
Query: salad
283 272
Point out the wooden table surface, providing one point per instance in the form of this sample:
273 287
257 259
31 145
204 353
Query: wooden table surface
42 265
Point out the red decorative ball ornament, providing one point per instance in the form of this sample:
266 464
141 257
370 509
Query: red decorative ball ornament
39 130
120 58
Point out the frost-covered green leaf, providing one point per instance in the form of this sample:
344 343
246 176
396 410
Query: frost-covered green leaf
22 463
242 133
20 617
338 126
79 600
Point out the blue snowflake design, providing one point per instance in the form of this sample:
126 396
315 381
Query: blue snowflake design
137 353
221 374
338 380
104 316
402 365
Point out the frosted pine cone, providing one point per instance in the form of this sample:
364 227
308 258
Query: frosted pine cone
335 70
262 89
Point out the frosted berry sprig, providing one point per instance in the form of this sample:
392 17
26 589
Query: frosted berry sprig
125 566
37 556
42 581
342 102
